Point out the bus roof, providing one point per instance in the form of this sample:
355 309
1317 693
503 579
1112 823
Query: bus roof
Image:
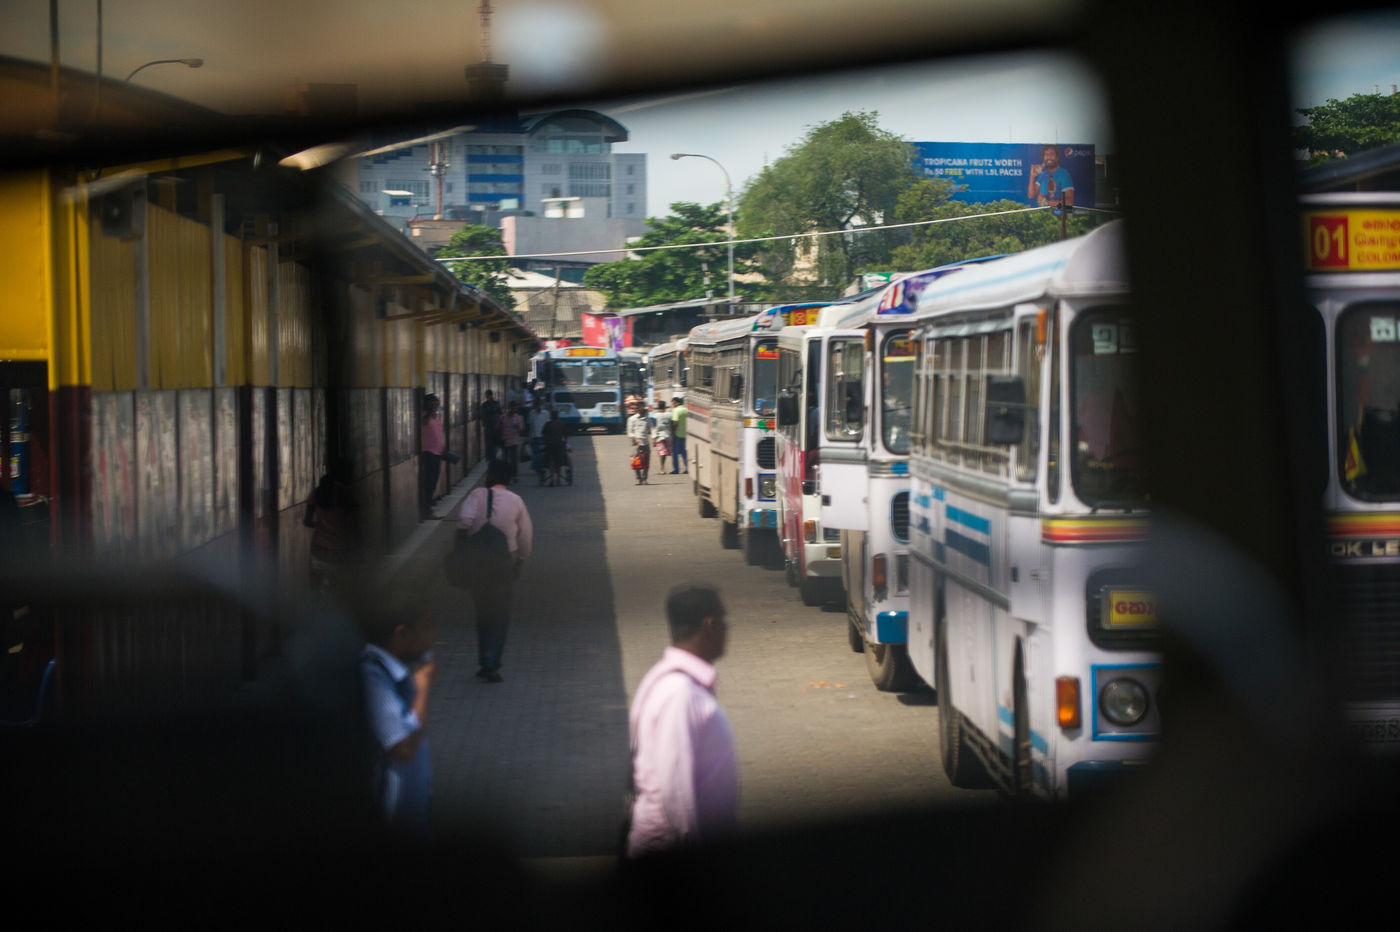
770 319
1084 266
899 298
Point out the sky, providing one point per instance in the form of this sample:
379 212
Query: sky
253 49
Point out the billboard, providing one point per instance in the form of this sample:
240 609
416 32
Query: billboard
611 332
1029 173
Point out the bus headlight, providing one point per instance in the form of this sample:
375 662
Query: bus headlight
1123 702
767 486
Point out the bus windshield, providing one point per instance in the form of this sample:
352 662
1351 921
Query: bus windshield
1368 401
1107 466
765 377
896 389
586 372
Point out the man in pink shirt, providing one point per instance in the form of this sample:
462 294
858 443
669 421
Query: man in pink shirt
507 512
684 770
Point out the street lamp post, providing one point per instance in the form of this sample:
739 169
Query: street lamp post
189 62
729 209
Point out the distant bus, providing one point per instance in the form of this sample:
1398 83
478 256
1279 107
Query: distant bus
584 384
1353 281
666 371
730 402
1028 607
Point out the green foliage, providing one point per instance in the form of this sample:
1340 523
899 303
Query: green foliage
1340 128
489 275
673 274
844 173
942 243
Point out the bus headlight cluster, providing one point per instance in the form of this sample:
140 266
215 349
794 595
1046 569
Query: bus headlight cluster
1123 701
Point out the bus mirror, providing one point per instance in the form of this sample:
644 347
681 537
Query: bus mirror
787 409
1005 421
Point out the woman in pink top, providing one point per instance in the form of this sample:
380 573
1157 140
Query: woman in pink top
507 512
430 456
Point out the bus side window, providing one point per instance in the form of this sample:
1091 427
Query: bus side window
1052 452
845 403
1029 356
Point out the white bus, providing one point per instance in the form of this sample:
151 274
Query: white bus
666 372
868 380
730 401
811 552
1028 519
1353 281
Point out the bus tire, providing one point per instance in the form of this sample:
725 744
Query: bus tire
1021 746
728 534
854 638
751 541
963 768
889 667
814 592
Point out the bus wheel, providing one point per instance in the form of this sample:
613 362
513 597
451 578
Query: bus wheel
853 637
1021 748
959 763
814 591
889 667
751 541
728 534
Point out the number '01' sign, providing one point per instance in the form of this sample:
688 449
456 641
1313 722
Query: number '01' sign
1327 241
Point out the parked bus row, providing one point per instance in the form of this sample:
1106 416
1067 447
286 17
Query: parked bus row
958 458
903 449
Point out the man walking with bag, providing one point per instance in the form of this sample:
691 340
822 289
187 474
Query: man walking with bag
496 504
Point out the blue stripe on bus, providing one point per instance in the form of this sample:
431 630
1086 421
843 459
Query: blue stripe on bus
939 494
1038 742
968 547
899 469
968 519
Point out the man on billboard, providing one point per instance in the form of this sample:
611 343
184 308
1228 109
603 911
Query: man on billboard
1051 184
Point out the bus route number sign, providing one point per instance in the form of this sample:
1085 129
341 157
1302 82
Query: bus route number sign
1130 608
1363 240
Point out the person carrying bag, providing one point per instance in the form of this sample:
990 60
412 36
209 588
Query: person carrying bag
495 537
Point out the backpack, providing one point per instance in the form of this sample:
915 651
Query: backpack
481 556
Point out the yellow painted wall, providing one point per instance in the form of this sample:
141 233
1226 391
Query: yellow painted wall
25 270
181 308
113 282
256 368
235 313
294 325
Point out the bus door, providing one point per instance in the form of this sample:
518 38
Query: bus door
1031 347
844 403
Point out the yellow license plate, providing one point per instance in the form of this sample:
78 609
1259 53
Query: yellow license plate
833 553
1130 608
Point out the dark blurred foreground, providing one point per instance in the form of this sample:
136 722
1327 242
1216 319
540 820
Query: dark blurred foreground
175 806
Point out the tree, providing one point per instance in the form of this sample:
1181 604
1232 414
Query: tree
673 274
489 275
938 244
843 174
1340 128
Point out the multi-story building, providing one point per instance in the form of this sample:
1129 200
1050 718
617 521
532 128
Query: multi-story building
516 167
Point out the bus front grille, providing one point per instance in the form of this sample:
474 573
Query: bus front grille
899 517
767 454
1365 622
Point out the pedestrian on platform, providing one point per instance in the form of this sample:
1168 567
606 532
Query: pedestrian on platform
685 773
639 430
661 433
398 672
534 427
492 599
512 427
430 456
333 513
489 414
678 414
